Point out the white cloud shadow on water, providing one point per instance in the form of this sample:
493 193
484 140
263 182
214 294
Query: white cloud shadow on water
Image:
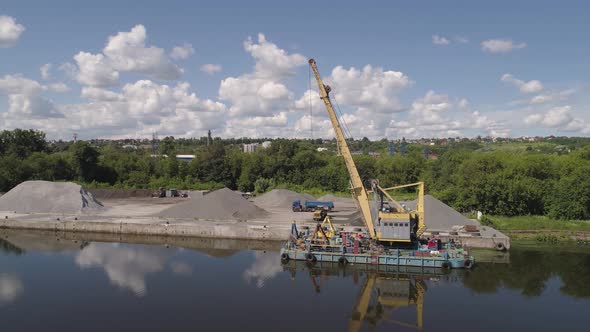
11 287
265 267
126 266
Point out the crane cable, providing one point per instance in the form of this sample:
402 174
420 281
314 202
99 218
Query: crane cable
310 102
346 131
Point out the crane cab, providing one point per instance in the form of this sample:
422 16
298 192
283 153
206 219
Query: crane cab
394 230
396 227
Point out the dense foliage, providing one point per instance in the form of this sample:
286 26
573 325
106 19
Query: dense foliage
466 175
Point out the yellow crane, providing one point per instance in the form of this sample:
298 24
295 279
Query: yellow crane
384 223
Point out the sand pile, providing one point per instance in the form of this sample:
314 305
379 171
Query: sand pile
281 198
439 216
119 193
222 204
49 197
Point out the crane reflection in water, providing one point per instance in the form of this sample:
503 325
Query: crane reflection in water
383 291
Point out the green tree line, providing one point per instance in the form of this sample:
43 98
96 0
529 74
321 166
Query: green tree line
464 176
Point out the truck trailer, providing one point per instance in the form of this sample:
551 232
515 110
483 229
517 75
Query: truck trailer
310 206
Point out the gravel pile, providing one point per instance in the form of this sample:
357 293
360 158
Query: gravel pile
332 198
439 216
222 204
49 197
281 198
119 193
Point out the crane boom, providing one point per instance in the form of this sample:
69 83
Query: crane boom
358 190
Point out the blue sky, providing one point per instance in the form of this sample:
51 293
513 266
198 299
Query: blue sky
436 68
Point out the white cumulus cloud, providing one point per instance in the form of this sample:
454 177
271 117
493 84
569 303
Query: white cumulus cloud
548 97
262 92
370 88
440 40
125 52
10 31
272 61
25 98
45 71
427 110
555 117
182 52
95 70
531 86
500 45
211 68
98 94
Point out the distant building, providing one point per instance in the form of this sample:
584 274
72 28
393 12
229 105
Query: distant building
185 157
374 154
320 149
129 146
252 147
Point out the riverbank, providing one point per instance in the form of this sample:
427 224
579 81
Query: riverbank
540 228
537 223
222 214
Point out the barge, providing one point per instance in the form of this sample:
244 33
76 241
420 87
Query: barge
342 247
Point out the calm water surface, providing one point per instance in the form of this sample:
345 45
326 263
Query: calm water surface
49 283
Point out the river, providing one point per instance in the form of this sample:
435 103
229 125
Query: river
54 283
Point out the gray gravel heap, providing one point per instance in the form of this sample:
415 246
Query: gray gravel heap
222 204
332 198
439 216
281 198
49 197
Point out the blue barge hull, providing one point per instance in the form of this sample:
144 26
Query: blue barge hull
402 259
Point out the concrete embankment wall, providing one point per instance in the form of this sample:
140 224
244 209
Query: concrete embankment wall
206 229
59 241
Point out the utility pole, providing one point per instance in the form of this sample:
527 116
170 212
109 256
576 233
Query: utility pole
391 148
154 143
402 148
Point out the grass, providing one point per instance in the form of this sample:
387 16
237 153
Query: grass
519 147
539 223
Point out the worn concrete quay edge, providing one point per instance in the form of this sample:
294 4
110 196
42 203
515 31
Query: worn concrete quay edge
202 228
40 239
238 230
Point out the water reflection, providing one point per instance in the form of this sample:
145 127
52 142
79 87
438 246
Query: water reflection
10 248
19 242
181 268
526 270
126 266
529 271
10 288
266 266
383 292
